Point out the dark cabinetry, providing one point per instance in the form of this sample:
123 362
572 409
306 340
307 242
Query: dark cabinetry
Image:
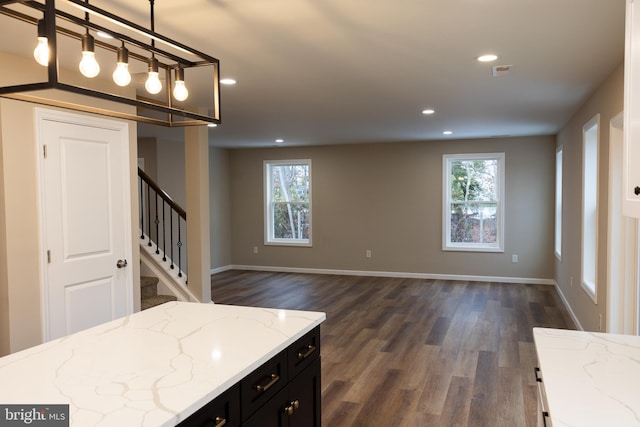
283 392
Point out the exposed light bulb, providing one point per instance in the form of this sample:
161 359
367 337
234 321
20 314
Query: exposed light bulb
89 67
41 52
121 75
180 91
153 83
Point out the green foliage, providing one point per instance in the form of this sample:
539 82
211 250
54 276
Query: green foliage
290 201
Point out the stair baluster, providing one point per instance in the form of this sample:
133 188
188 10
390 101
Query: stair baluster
153 235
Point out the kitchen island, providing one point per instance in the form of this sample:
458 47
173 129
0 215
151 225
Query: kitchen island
153 368
588 378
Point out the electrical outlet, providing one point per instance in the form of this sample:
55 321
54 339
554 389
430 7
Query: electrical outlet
514 259
255 249
571 281
367 253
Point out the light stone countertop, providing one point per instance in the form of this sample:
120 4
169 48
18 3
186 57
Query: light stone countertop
153 368
591 379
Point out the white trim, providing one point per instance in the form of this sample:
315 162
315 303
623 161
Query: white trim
586 283
557 238
220 269
568 307
447 245
400 275
266 188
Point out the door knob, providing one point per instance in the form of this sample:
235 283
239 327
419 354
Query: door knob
121 263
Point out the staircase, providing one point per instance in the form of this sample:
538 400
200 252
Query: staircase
149 293
162 246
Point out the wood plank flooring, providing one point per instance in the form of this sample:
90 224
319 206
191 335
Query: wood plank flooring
413 352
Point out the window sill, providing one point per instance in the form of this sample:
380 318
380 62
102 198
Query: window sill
299 243
473 249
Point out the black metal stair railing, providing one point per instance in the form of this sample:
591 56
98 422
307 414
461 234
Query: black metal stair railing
156 205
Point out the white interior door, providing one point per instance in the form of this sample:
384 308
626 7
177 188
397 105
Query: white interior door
86 220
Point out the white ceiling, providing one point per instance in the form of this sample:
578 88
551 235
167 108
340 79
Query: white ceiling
350 71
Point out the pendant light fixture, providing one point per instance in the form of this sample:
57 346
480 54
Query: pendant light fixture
89 67
180 91
153 85
136 46
41 52
122 76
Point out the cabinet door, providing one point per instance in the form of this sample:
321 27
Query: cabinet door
631 150
305 390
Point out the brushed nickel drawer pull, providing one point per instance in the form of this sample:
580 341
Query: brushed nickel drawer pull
310 349
262 388
220 422
289 410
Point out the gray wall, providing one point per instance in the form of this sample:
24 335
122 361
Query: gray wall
220 224
388 198
608 101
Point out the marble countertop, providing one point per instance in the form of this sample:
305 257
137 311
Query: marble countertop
153 368
591 379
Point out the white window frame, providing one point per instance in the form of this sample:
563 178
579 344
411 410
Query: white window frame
268 212
558 205
590 202
447 245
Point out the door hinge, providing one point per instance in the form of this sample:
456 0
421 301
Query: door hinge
48 256
44 151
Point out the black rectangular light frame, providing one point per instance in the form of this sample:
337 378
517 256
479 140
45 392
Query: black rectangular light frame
51 15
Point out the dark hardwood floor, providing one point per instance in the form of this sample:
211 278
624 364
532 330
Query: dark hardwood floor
413 352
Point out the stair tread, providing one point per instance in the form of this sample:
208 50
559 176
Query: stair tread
148 281
156 300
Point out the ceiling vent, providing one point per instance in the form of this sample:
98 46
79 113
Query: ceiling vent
500 70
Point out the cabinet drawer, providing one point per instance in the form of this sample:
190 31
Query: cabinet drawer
263 383
304 351
223 410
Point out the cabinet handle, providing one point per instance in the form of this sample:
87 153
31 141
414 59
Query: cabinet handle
535 372
310 349
273 379
220 422
636 191
289 410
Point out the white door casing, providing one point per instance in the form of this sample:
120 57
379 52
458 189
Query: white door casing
86 221
622 245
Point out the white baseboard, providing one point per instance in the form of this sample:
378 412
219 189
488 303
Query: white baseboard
220 269
402 275
568 307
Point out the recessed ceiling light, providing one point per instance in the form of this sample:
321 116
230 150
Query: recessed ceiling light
212 125
227 81
487 58
447 132
279 141
428 111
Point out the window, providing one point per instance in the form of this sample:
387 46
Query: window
473 211
590 137
558 233
288 202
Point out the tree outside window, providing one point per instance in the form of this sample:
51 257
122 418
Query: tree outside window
473 202
288 202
